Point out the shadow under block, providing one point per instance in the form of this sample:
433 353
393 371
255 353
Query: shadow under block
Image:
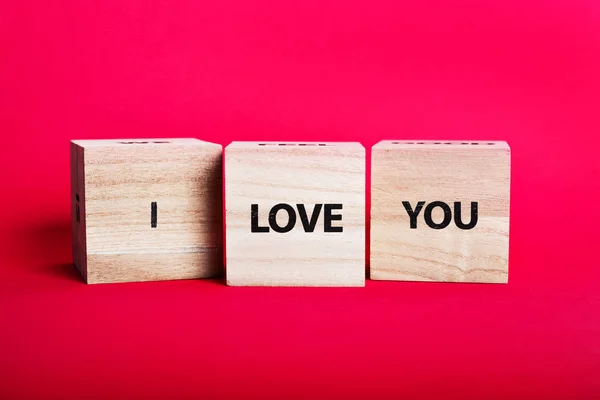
295 214
440 211
145 210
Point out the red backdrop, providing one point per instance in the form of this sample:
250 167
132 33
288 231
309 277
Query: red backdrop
522 71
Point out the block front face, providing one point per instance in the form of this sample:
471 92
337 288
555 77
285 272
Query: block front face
440 211
153 209
295 214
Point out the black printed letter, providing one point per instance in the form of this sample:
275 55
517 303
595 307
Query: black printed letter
447 215
329 217
413 214
291 218
153 214
458 219
309 226
254 220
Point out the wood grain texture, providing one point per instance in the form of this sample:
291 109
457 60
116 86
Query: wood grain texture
118 180
269 173
447 172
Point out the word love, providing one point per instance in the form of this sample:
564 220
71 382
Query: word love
309 223
414 213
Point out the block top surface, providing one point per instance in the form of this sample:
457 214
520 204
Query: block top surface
294 145
441 145
121 143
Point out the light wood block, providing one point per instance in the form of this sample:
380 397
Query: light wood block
295 214
146 209
437 243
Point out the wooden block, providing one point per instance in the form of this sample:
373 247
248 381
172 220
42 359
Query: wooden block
440 211
295 214
146 209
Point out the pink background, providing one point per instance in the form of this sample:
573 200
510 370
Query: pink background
522 71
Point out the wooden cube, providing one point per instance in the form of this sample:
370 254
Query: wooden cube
440 211
295 214
146 210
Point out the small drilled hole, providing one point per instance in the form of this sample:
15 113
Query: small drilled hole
420 142
437 143
474 143
448 143
464 143
77 212
491 144
160 142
